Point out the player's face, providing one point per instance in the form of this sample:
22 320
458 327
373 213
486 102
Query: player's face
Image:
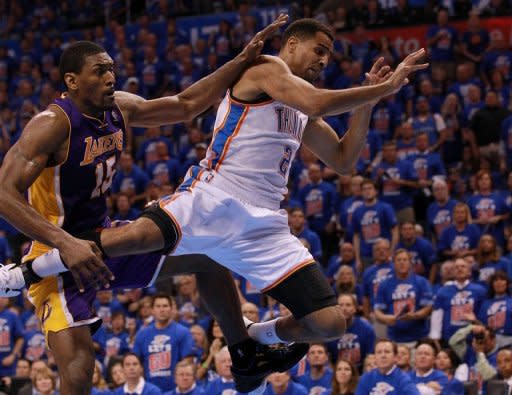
314 55
96 81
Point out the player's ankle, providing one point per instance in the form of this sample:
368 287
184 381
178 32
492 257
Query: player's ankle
265 332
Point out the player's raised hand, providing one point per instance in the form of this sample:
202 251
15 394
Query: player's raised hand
379 73
253 49
84 260
409 65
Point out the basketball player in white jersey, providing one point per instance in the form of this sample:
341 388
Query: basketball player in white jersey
228 207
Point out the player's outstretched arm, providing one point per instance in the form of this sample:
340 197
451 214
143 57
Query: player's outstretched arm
273 76
44 137
198 97
342 154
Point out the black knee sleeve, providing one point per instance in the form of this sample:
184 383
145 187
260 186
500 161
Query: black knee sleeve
170 230
304 292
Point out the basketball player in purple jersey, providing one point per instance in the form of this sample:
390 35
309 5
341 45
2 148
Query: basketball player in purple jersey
65 161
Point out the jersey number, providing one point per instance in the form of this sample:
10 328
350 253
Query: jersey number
104 174
284 164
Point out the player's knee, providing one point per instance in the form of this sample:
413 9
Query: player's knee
328 323
77 380
166 229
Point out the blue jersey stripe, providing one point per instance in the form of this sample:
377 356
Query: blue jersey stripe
185 185
219 143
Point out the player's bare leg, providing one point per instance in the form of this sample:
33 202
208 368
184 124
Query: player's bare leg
73 351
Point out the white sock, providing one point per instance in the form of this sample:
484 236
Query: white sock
265 332
49 264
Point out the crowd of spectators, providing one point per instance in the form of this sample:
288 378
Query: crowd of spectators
417 242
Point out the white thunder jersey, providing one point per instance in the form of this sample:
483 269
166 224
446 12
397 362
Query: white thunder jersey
252 148
228 207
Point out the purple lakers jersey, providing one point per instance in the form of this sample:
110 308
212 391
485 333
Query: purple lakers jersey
71 194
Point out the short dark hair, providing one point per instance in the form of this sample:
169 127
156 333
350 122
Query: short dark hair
72 59
131 354
306 28
162 295
393 344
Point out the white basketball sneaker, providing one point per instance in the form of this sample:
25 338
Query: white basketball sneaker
11 280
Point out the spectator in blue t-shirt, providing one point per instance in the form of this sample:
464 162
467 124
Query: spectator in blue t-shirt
440 211
475 39
456 303
163 170
427 164
298 227
424 375
281 384
461 238
420 249
162 344
134 374
488 208
349 205
432 124
11 339
124 211
398 181
224 379
495 311
345 256
359 338
318 198
319 377
184 376
376 274
488 260
5 250
371 221
130 179
404 302
442 40
387 378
